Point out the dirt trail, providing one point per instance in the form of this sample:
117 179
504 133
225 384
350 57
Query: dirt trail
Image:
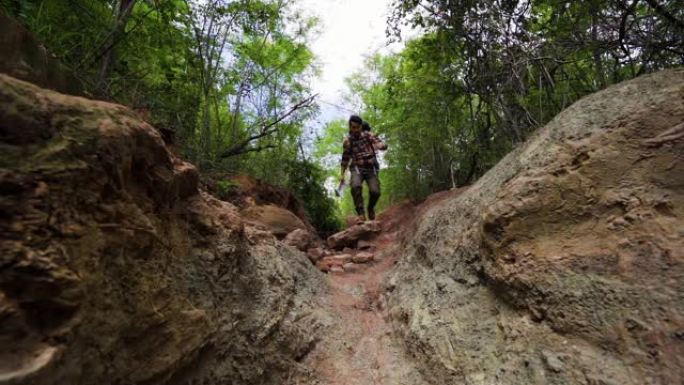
358 346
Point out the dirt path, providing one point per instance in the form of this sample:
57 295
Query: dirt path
358 347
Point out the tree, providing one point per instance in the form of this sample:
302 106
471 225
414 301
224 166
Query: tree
485 74
229 78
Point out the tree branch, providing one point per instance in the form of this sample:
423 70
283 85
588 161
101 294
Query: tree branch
244 150
664 13
265 130
112 37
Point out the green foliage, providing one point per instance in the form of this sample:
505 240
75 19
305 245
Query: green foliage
222 75
306 180
231 79
224 188
215 72
328 153
328 148
152 65
485 74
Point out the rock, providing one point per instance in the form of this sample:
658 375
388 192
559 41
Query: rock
323 266
381 255
157 282
248 191
315 254
336 270
364 245
187 179
537 313
351 267
327 262
300 238
544 232
353 220
279 221
552 361
362 257
340 257
477 378
350 236
256 235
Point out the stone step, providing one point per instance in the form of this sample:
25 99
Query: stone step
346 262
362 257
351 267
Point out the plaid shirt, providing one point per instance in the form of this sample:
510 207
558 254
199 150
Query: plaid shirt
359 150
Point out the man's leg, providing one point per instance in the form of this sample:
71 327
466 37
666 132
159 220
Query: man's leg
357 192
373 192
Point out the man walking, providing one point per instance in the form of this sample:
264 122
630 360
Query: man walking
359 154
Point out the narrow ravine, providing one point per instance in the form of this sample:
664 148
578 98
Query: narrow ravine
562 265
358 346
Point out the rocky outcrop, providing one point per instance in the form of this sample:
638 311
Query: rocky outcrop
564 264
277 220
248 191
301 239
116 269
350 236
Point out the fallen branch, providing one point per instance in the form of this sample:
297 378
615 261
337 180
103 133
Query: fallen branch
245 150
265 130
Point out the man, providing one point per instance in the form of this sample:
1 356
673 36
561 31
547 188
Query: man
359 154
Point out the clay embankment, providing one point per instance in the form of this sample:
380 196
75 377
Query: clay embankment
116 269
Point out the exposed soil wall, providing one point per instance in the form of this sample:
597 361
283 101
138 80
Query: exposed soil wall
116 269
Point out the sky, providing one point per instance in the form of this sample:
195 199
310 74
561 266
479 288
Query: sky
349 31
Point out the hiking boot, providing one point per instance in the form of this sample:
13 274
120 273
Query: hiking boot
360 215
371 213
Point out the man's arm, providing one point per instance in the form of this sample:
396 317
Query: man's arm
346 156
378 144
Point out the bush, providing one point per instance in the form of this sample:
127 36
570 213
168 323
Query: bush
306 181
225 188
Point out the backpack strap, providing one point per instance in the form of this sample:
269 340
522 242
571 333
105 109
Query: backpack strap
368 141
375 156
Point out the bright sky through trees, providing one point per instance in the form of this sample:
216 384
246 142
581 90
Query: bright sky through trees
350 30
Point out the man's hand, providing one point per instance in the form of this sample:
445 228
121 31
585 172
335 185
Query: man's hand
338 190
379 144
343 169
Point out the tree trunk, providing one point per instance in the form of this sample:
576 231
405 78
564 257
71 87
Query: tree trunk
596 52
123 14
234 135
